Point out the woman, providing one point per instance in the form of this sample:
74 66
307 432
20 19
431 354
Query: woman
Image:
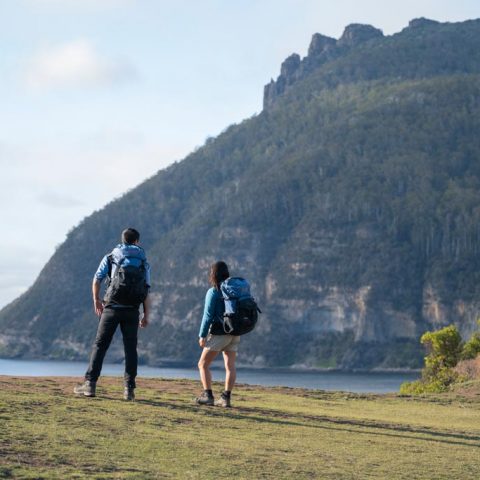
213 344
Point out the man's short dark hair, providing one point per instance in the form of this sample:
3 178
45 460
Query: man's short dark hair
130 235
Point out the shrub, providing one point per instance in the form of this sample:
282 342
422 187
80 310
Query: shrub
472 347
444 348
441 382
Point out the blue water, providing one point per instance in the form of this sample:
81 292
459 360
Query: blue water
350 382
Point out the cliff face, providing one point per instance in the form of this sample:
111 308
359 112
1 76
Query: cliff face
351 203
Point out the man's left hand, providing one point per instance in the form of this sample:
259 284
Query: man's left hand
144 321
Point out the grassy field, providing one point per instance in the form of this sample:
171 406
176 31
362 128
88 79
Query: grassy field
280 433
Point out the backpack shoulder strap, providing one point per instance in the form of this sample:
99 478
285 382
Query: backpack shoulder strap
110 263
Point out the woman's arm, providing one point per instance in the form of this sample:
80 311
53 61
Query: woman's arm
208 313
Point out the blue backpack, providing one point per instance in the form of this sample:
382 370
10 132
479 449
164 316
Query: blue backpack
241 310
127 286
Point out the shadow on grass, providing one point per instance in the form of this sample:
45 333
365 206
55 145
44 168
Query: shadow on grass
299 420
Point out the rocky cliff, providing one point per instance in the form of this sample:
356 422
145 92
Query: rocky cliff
321 50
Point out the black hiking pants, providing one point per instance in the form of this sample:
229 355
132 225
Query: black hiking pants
127 318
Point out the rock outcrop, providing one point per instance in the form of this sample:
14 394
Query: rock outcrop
422 22
355 34
321 50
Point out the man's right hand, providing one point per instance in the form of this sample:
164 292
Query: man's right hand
98 306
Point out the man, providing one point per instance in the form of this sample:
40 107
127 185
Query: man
128 275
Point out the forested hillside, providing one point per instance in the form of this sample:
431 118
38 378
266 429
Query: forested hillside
352 203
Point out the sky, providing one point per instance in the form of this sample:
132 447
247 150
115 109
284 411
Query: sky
98 95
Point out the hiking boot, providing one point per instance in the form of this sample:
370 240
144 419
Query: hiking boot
224 401
129 394
205 399
87 388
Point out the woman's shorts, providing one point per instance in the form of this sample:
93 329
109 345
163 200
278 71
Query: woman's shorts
222 343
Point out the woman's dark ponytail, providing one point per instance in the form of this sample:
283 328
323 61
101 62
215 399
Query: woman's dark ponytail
218 273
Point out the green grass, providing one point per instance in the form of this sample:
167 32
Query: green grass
281 433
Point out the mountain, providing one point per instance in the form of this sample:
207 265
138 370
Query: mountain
351 202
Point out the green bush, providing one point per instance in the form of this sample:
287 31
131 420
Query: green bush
444 349
472 347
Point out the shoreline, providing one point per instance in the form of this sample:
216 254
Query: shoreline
328 380
218 365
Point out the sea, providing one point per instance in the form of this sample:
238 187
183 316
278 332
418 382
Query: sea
372 382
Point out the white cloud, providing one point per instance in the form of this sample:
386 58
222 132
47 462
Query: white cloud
76 65
58 200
